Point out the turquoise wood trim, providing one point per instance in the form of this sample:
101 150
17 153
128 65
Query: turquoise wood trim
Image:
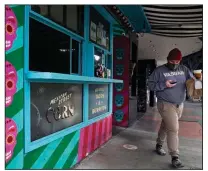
105 13
85 42
26 39
138 20
54 77
111 39
46 140
26 83
90 60
70 55
86 102
111 97
93 120
80 60
111 50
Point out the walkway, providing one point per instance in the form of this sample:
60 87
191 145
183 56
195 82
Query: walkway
142 134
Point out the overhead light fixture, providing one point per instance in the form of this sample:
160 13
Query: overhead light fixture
117 11
114 7
97 58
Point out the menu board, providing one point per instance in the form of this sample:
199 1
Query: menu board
98 99
99 29
54 107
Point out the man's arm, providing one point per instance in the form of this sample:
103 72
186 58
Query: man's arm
189 74
154 83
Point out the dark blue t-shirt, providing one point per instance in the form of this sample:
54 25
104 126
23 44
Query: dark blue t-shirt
176 94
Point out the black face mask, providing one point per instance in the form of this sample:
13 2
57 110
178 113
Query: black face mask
172 66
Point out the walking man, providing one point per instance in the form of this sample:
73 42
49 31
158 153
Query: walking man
169 82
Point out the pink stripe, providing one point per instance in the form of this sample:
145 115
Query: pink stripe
103 131
89 138
86 140
100 133
97 134
93 137
111 127
81 142
108 127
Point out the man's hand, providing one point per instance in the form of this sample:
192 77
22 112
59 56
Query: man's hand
201 78
168 83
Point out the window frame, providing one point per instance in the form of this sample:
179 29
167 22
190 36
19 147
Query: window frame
31 145
85 79
63 30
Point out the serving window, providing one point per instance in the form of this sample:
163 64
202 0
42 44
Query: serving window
58 88
54 106
52 51
102 63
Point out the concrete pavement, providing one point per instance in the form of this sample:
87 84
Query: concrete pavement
142 134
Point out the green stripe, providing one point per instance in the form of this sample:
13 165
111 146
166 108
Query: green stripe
71 157
19 12
114 35
32 156
12 58
58 152
18 146
118 25
16 105
118 31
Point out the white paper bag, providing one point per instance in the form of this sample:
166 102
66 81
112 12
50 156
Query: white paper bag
198 84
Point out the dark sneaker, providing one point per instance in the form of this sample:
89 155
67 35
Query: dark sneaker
160 150
176 162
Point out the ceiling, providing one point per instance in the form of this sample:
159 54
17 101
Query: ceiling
157 47
175 20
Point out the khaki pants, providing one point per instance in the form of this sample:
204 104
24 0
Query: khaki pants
169 128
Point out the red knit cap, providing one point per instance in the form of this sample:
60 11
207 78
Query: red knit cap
175 54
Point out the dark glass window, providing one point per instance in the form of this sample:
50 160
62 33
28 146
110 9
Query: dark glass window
75 18
41 9
99 29
57 14
69 16
75 56
48 49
